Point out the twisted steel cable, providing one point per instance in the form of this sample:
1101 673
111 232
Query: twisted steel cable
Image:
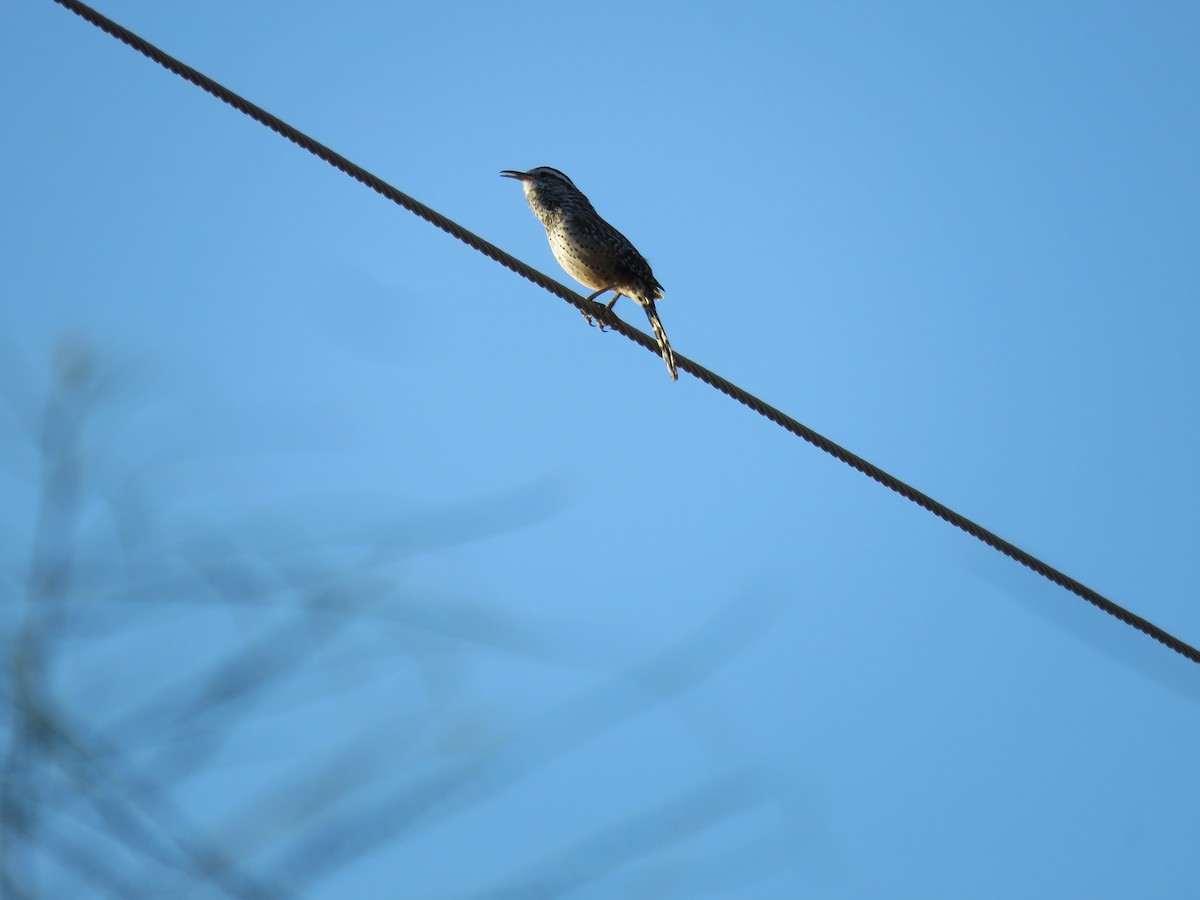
599 312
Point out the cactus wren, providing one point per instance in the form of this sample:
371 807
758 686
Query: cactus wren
590 250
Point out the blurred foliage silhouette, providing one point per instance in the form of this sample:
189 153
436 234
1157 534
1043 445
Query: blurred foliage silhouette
239 711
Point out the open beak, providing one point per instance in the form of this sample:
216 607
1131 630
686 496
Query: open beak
513 173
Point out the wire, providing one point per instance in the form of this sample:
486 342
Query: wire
599 312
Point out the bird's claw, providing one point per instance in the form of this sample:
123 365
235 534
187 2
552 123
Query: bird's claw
591 321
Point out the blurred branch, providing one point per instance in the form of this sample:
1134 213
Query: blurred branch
475 778
115 738
648 832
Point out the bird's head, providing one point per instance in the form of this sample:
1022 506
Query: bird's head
547 188
542 176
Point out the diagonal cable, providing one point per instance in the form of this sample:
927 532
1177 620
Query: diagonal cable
599 312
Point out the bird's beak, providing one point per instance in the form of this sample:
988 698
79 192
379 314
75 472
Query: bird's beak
513 173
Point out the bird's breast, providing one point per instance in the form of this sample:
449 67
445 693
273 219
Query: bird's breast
581 258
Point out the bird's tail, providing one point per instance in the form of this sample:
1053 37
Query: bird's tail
660 335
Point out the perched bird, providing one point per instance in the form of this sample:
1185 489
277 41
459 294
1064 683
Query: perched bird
591 251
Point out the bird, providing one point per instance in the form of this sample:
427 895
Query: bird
590 250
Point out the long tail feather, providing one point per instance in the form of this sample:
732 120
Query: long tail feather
660 335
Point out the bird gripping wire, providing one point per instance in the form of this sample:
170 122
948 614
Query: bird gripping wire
601 313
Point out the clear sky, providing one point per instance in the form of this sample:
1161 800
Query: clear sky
961 239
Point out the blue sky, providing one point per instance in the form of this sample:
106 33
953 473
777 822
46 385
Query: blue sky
959 239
